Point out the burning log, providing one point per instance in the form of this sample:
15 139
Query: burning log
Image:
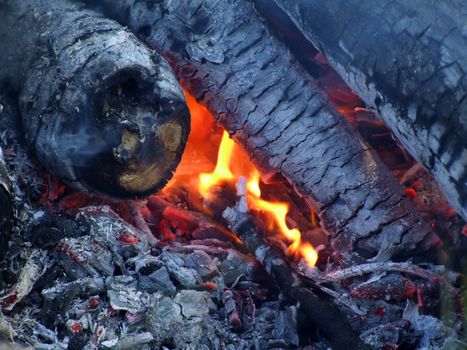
231 63
409 70
323 314
6 211
102 111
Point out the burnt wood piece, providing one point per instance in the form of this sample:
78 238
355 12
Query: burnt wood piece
6 208
228 59
408 61
322 313
102 111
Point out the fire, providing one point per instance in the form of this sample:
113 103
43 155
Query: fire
277 210
253 184
222 171
201 169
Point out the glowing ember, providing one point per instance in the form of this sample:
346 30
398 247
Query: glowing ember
313 219
128 238
93 302
75 327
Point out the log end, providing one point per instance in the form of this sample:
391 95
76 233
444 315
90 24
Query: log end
124 141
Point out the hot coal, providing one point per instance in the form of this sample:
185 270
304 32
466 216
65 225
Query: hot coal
101 289
101 111
138 295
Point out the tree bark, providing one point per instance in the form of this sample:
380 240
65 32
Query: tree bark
228 59
408 61
102 111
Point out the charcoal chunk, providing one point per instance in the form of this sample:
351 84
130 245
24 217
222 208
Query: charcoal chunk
286 326
158 281
203 264
194 304
236 265
186 277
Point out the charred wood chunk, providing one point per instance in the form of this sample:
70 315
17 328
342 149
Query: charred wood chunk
102 111
410 70
229 60
6 209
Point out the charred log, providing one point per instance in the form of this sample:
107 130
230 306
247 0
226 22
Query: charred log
322 313
102 111
407 62
229 60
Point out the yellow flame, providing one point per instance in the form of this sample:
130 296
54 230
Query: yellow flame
309 253
252 184
222 170
278 210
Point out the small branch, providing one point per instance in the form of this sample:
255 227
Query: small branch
360 270
36 265
321 312
342 300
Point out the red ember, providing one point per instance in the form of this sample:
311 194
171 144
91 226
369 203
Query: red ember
128 238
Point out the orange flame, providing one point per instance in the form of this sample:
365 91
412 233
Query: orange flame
278 210
222 171
232 162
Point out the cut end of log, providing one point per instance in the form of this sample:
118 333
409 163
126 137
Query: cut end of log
103 112
146 136
127 141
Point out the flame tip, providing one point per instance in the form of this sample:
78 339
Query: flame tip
224 171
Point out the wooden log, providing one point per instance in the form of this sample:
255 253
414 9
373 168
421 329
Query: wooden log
407 60
228 59
102 111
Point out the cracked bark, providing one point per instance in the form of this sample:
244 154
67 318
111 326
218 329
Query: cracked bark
408 62
101 110
271 106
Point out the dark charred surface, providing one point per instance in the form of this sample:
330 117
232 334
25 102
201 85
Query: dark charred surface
102 111
230 62
407 61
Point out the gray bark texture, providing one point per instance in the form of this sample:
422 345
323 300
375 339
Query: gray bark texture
227 58
102 111
408 61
